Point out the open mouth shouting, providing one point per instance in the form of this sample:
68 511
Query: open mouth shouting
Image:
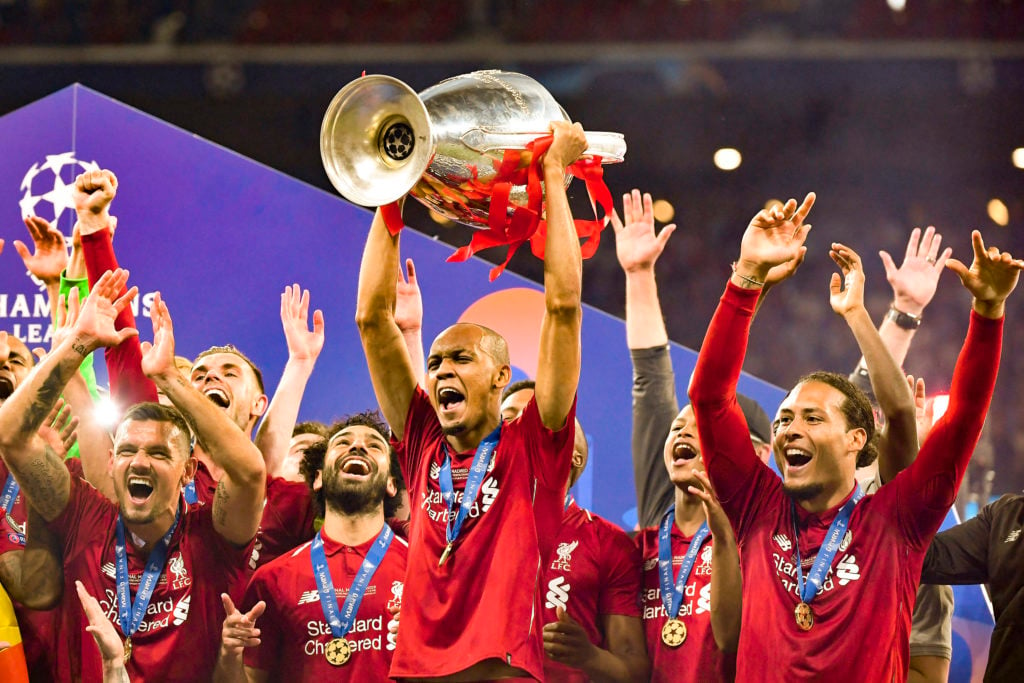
6 386
796 460
450 399
140 489
355 466
683 452
218 396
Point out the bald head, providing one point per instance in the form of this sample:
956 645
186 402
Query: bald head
491 343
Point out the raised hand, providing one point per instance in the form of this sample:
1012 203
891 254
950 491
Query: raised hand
565 641
408 301
914 282
991 278
569 143
51 254
103 632
924 410
636 244
158 357
844 301
239 630
92 194
58 429
93 321
303 344
718 523
775 236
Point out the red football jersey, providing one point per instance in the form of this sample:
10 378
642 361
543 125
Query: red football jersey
179 638
293 631
593 571
287 520
44 649
485 601
698 659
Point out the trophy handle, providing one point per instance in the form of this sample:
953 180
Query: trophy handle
611 147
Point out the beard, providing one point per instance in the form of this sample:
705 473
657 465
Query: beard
350 498
805 492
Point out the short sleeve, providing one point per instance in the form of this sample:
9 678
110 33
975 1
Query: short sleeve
931 630
549 452
421 430
621 580
270 624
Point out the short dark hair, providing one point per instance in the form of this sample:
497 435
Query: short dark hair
516 387
230 348
313 459
158 412
856 409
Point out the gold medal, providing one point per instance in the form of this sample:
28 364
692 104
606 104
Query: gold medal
338 651
804 616
673 633
127 649
445 554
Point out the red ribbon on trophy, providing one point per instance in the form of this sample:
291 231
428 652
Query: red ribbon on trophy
524 224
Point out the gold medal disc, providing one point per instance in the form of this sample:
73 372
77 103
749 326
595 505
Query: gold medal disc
127 649
804 616
673 633
338 651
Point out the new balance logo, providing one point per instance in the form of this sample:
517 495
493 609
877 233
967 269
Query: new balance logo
847 570
558 593
435 471
1012 536
782 542
650 563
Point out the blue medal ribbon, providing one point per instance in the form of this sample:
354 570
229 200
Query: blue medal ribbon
190 492
130 615
672 592
341 620
481 461
10 494
809 588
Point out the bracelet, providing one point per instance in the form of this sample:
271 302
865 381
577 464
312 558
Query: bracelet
748 280
906 321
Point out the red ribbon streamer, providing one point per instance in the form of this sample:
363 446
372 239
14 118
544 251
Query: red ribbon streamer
525 224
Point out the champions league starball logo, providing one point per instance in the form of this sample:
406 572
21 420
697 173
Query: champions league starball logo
47 187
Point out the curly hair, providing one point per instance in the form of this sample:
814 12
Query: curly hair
856 409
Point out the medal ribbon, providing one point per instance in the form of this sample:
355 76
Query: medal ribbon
190 492
823 562
481 461
672 593
129 614
10 494
341 621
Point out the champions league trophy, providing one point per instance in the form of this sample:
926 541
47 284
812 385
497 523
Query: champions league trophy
448 146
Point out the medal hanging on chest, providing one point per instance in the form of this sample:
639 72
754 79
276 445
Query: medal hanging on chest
130 615
338 651
673 632
807 589
481 462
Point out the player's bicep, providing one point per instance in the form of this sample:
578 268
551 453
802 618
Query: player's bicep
237 509
558 366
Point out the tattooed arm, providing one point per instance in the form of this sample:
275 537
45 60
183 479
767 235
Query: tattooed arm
38 469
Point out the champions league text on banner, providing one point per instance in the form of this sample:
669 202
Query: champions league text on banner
221 236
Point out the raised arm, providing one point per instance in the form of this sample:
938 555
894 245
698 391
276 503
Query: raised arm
558 359
44 480
774 237
887 380
238 503
726 580
93 192
931 482
304 346
409 317
49 258
655 405
387 358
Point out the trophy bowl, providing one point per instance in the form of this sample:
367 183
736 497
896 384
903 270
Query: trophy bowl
445 146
